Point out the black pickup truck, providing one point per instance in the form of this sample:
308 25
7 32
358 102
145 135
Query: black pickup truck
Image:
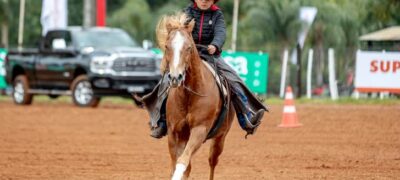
86 63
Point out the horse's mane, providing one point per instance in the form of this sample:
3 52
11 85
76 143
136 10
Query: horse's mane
166 24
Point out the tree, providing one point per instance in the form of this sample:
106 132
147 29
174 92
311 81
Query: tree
270 25
325 32
5 16
134 17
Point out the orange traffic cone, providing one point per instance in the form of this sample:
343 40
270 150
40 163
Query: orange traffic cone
289 118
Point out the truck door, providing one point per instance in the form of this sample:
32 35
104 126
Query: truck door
54 66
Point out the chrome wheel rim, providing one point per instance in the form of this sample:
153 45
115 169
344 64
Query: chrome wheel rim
19 92
83 93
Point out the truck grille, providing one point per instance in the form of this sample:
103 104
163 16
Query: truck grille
134 64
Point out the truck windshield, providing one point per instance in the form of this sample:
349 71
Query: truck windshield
104 39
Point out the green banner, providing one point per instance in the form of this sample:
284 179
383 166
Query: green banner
3 83
251 67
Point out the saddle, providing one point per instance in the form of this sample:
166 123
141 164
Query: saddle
223 87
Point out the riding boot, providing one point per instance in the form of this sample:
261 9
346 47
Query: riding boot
248 119
161 129
154 103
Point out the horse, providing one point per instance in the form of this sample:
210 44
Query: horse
194 101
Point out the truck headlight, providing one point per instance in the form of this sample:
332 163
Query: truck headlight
158 60
101 64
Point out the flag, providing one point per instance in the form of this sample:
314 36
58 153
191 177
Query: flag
54 15
307 16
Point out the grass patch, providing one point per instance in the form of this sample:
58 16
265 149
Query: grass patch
344 100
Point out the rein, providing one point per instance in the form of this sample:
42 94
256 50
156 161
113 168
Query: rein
188 88
192 91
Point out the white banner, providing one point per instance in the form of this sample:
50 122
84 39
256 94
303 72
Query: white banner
307 15
377 71
54 15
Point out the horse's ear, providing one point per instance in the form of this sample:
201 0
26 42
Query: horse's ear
189 26
169 27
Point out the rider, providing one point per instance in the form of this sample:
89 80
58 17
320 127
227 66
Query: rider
210 31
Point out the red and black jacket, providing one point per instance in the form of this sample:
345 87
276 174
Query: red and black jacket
210 26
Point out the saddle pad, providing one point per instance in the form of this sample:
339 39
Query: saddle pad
219 83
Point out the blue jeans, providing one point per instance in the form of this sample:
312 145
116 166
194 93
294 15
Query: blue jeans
240 100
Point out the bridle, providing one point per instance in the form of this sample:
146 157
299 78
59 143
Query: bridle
188 88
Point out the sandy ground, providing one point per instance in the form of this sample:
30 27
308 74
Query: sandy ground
60 141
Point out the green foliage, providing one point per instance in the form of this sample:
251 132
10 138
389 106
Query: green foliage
75 12
5 12
135 17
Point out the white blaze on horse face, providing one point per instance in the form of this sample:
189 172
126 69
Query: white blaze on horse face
177 45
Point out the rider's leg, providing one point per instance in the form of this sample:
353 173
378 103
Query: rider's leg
249 110
161 129
248 119
155 105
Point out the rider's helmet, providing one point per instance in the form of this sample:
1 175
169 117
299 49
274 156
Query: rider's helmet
215 1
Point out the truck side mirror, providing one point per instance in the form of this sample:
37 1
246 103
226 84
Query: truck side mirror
59 44
147 44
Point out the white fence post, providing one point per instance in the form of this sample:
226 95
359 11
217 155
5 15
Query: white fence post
309 72
283 75
332 79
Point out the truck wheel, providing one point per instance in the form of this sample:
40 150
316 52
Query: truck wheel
20 90
53 96
82 92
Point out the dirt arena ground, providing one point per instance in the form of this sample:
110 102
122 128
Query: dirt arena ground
60 141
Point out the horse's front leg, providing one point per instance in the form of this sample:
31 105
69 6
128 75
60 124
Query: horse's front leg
175 147
197 136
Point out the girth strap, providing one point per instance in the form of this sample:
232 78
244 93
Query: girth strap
225 102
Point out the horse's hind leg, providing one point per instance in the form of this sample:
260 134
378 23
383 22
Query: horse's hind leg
197 137
216 148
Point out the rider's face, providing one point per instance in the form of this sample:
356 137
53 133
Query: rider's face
204 4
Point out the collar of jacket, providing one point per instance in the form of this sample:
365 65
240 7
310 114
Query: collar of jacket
212 8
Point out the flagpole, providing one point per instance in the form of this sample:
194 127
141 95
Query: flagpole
21 24
234 24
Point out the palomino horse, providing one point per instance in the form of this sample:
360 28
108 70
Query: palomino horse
194 101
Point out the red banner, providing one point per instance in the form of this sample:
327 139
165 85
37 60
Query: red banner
101 13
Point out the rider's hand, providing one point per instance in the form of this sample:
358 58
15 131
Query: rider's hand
211 49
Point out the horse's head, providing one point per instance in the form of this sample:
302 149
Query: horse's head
178 47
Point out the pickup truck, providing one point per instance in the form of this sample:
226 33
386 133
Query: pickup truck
86 63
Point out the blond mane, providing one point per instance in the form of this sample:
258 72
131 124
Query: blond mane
166 24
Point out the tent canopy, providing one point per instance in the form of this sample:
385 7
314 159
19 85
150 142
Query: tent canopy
388 34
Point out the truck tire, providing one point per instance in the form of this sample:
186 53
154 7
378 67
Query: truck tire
53 96
82 92
20 90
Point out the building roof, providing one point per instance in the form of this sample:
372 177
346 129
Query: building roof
388 34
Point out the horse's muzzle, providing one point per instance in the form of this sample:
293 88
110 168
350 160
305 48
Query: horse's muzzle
175 81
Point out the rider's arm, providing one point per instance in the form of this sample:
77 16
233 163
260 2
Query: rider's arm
219 32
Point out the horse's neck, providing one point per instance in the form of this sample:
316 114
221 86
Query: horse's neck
195 79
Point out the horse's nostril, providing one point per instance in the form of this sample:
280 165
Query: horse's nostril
180 77
169 76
